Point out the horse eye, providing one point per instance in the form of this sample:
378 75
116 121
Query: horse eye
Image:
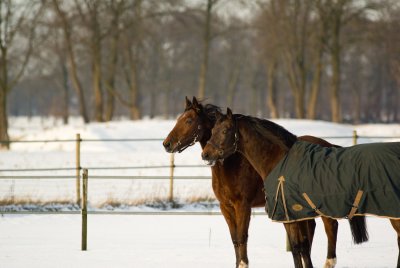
189 121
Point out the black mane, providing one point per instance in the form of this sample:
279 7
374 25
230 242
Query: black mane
275 133
210 111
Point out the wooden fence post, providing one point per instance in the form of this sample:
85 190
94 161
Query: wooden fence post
171 177
84 208
355 137
78 169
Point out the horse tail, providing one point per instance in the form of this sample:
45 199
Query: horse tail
359 230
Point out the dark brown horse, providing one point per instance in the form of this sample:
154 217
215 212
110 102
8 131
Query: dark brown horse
238 187
265 143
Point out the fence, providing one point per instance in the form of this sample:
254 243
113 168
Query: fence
82 180
78 167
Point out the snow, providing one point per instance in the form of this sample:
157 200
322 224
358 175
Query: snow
152 240
173 241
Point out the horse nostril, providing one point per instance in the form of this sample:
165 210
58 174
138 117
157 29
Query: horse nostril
204 155
167 146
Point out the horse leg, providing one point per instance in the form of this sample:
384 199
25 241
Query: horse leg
243 213
229 214
294 233
310 232
331 230
306 235
396 226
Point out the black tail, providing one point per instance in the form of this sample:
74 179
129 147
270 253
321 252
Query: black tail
358 228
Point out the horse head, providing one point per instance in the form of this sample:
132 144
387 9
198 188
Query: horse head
224 139
189 128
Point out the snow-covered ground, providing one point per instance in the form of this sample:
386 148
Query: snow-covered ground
174 242
151 241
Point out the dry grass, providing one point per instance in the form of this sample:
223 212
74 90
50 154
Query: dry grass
22 201
158 202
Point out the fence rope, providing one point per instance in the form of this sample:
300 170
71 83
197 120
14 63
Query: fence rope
160 139
117 177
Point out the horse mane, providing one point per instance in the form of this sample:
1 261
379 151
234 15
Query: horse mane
269 130
209 110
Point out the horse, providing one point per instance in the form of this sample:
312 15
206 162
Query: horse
270 147
238 187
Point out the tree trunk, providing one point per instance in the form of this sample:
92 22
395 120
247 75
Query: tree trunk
271 89
72 64
65 87
3 99
96 80
315 86
232 81
4 119
335 79
206 48
78 88
134 90
110 84
334 92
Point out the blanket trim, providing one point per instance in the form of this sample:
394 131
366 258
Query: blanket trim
352 212
281 180
355 204
312 205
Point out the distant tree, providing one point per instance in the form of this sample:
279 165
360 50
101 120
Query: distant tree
206 48
66 25
291 38
90 15
18 22
338 13
388 37
116 9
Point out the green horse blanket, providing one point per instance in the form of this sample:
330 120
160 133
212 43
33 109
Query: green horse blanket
312 181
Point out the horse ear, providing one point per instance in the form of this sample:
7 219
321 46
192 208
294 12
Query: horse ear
196 105
218 115
188 103
195 102
229 113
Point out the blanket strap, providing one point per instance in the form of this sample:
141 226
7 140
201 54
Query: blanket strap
281 179
312 205
355 204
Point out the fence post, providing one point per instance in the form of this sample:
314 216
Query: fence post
355 137
171 177
78 169
84 208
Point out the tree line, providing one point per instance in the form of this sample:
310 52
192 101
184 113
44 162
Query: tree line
335 60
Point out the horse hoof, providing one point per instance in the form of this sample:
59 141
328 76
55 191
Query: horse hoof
242 264
330 263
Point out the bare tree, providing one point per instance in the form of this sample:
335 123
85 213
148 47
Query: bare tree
206 48
17 25
67 30
132 48
291 26
338 14
269 45
116 8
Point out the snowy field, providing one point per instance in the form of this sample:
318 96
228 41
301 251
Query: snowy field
173 242
151 241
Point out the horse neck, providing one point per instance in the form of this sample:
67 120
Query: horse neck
259 151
